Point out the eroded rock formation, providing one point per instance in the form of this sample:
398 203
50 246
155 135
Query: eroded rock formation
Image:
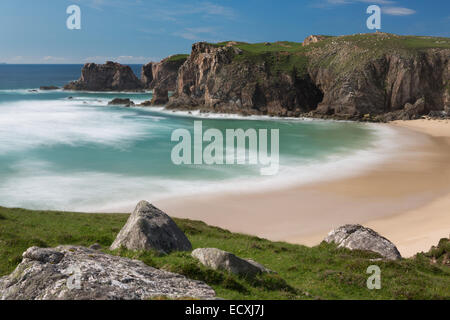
214 80
160 96
163 74
111 76
375 77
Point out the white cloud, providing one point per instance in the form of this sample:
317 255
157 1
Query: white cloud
398 11
198 34
52 59
390 9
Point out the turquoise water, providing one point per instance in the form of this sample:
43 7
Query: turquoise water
79 154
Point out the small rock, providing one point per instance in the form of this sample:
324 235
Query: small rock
147 103
355 236
46 88
148 228
221 260
119 101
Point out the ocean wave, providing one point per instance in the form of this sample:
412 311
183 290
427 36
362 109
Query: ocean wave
32 124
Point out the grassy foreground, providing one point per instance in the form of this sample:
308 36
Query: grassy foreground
321 272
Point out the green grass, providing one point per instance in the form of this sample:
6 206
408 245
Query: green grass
288 57
324 271
280 57
178 57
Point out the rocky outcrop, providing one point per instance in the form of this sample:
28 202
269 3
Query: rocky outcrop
148 228
377 77
397 83
106 77
312 39
162 74
160 96
221 260
214 79
353 237
78 273
121 102
440 254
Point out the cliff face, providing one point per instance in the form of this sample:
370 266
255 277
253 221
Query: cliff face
106 77
162 74
377 76
214 78
394 82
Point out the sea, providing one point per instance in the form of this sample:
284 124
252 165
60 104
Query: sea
65 150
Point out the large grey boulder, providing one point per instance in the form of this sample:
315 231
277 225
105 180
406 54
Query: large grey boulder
355 236
148 228
221 260
78 273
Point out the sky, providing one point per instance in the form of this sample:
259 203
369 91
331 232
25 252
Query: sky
139 31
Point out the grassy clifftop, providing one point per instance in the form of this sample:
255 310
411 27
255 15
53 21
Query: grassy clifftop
323 271
289 56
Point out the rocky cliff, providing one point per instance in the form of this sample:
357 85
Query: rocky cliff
369 76
106 77
162 74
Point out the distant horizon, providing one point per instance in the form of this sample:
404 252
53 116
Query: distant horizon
142 63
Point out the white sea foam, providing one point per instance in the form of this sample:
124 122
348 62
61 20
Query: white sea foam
30 124
39 186
36 184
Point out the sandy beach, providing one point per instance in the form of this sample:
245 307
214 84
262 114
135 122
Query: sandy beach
406 199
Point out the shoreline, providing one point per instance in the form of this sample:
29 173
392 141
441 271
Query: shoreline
399 198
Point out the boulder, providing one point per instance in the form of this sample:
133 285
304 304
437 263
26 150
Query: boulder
111 76
148 228
221 260
160 96
355 236
78 273
120 102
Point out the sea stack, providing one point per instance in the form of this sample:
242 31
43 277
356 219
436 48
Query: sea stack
111 76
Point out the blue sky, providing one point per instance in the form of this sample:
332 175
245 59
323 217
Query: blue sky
138 31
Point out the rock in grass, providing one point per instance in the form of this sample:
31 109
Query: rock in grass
148 228
221 260
78 273
355 236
